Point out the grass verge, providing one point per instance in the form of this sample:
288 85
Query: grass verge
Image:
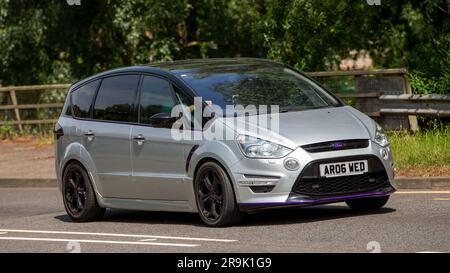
424 153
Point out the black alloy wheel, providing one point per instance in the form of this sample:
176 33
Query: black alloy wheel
78 195
75 191
210 193
216 202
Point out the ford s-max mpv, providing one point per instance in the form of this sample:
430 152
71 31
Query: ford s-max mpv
168 137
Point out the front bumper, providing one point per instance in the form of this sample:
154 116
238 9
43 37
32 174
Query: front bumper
283 190
299 200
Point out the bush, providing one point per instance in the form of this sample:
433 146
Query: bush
8 131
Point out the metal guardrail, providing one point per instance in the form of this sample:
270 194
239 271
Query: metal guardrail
376 104
431 105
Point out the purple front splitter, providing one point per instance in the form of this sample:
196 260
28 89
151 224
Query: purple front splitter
321 200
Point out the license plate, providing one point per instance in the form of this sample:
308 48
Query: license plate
344 168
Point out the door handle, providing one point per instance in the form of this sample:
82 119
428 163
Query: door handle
139 139
90 135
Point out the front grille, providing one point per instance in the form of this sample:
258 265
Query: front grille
309 181
336 145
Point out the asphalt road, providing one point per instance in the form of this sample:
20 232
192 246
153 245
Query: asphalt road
33 220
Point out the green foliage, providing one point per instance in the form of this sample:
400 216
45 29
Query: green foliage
8 131
423 150
423 84
50 41
310 35
44 132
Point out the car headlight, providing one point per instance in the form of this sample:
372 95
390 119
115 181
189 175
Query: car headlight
380 137
259 148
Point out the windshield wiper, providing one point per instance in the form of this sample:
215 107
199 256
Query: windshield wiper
293 108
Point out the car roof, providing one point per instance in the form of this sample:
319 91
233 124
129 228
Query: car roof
179 66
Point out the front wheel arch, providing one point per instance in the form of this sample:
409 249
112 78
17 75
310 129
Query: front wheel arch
232 214
210 159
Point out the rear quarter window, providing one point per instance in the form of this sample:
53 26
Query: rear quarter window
81 100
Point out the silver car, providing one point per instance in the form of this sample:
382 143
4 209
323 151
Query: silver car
218 137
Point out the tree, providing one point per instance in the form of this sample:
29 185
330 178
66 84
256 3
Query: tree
53 42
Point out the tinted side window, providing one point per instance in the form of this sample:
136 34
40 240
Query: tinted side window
68 111
156 98
81 99
182 98
188 102
115 98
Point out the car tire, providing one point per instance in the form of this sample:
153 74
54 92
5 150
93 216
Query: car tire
215 199
372 203
79 197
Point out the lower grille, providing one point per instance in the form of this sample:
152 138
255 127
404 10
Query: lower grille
344 184
310 183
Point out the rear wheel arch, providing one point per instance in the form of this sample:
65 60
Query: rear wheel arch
79 187
75 160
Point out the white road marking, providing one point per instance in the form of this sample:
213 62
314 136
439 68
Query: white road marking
441 199
429 252
147 240
94 241
117 235
422 192
1 233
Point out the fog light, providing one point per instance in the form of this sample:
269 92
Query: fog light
291 164
384 152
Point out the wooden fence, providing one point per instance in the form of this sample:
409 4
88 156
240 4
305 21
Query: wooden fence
12 90
382 94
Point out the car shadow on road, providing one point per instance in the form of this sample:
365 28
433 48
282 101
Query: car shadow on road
144 217
284 216
307 215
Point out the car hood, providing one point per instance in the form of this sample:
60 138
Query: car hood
309 126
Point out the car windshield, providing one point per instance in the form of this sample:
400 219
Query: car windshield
257 85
